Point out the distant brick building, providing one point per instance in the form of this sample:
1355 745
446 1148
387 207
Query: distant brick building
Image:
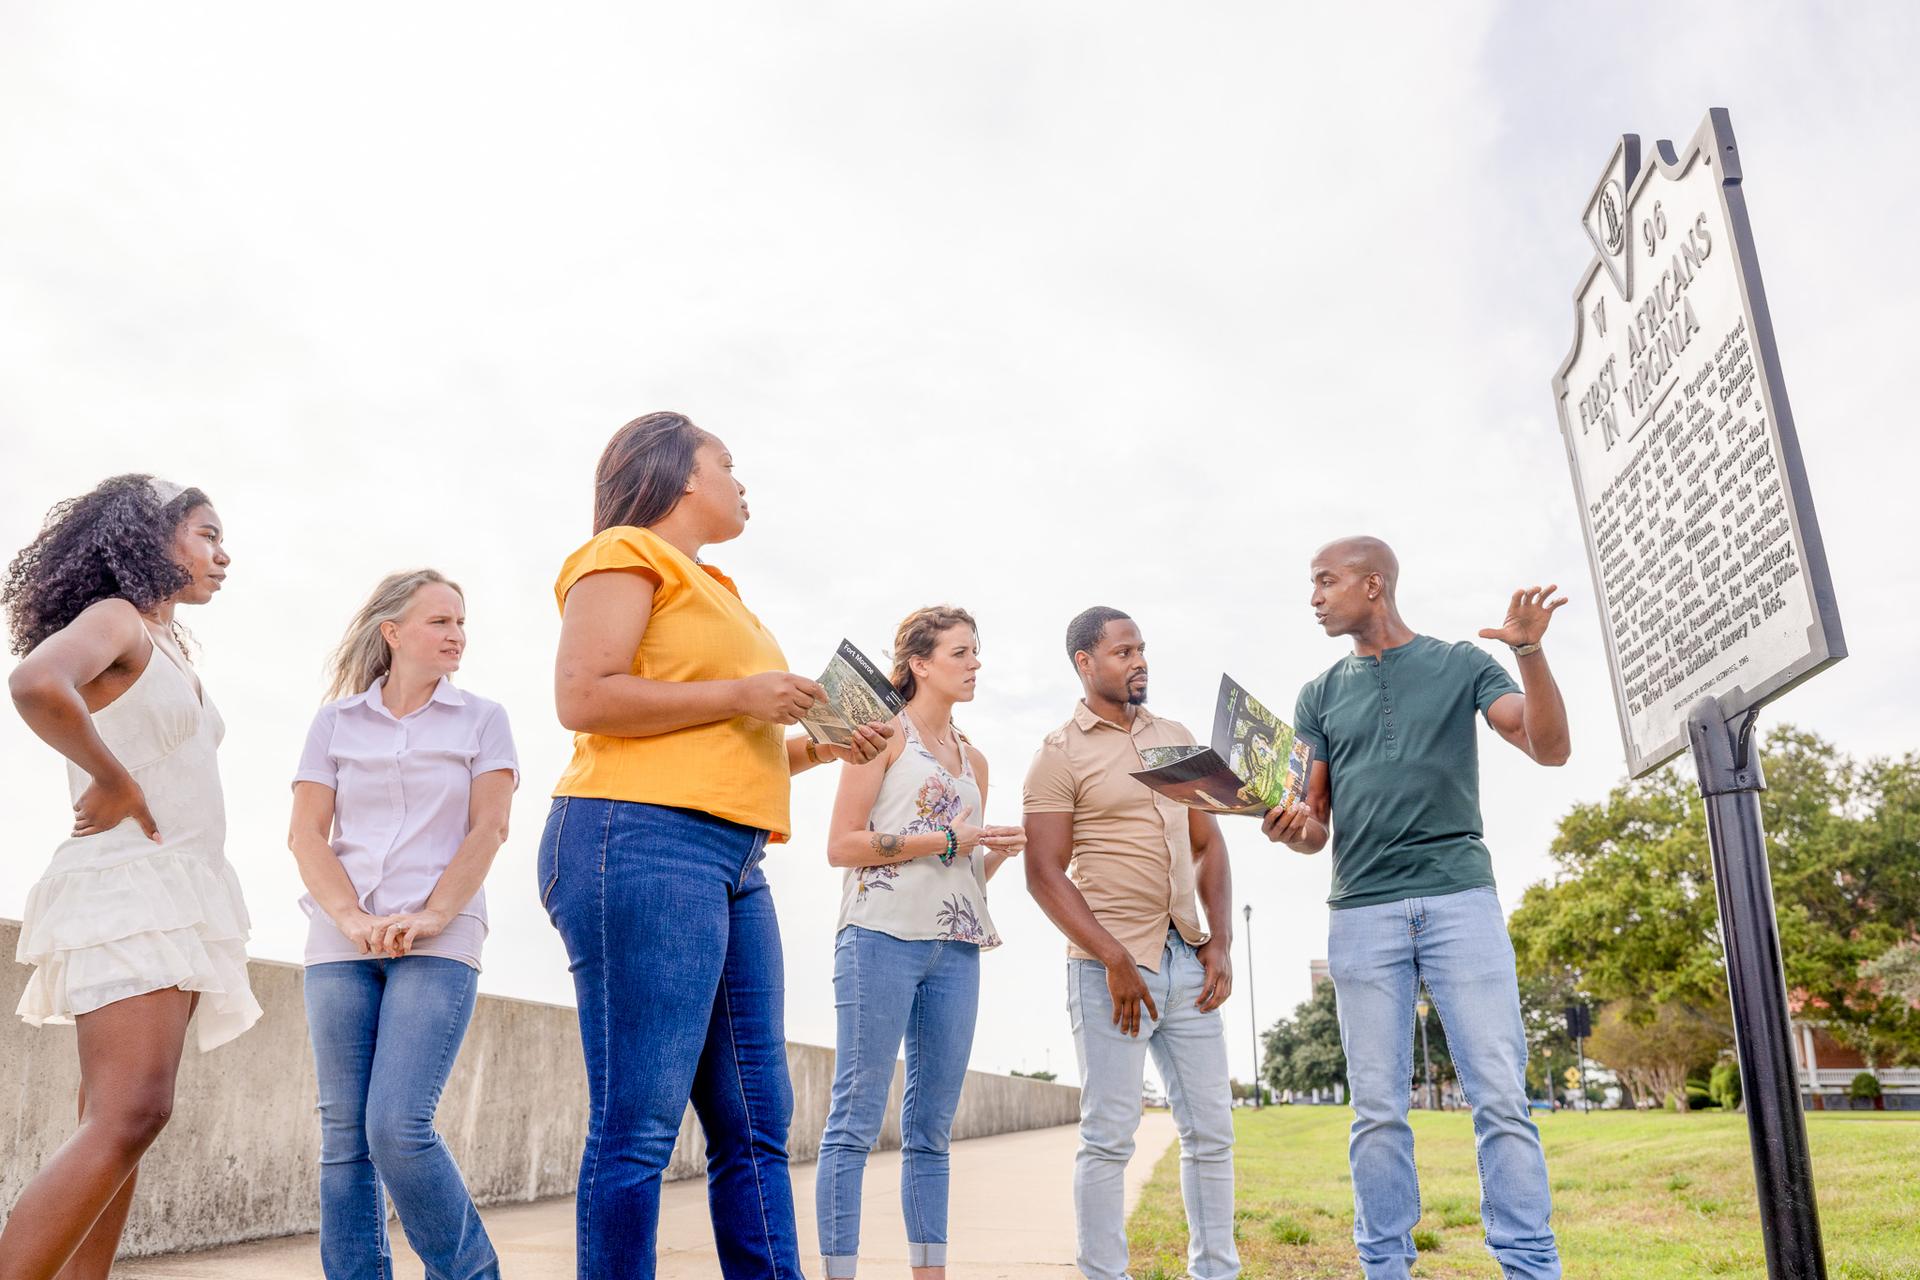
1828 1067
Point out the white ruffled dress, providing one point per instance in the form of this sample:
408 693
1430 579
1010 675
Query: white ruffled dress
118 915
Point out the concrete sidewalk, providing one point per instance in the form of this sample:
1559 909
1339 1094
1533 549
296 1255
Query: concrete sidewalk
1011 1218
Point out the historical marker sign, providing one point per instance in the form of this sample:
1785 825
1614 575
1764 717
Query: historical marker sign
1708 566
1707 561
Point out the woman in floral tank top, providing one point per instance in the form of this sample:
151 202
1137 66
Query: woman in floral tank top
913 921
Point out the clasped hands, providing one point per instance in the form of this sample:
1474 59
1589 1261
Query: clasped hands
393 936
1003 840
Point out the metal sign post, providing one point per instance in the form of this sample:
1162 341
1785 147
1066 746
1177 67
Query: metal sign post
1708 566
1730 782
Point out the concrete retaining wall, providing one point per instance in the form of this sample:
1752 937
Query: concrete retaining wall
240 1159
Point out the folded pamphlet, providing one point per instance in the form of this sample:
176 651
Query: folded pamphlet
857 693
1254 763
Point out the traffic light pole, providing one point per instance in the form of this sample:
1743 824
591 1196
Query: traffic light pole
1580 1052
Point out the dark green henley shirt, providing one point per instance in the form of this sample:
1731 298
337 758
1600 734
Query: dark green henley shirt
1399 738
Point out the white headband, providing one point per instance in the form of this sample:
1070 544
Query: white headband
164 491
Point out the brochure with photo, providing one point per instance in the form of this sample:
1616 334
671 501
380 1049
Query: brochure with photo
857 693
1254 763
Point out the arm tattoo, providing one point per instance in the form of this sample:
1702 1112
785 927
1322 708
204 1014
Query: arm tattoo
888 845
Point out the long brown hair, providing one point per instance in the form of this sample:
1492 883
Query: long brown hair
644 470
916 637
363 655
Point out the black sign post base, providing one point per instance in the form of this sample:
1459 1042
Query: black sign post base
1730 782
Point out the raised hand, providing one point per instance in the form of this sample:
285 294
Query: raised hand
1528 614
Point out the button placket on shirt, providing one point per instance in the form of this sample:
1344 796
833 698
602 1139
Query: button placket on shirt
1168 811
396 799
1386 709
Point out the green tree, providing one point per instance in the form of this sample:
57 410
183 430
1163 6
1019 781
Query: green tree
1724 1084
1303 1053
1544 998
1844 842
1898 970
1654 1048
1034 1075
1630 915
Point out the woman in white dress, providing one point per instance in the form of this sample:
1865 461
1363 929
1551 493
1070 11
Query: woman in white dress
138 921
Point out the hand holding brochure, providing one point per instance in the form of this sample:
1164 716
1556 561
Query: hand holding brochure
857 693
1255 762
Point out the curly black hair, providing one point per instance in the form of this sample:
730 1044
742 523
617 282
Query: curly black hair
115 542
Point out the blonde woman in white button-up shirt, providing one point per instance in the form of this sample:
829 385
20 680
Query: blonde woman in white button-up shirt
400 804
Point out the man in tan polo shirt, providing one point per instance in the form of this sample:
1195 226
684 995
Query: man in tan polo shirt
1116 866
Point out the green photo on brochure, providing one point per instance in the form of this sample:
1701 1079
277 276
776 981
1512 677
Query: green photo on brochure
1254 762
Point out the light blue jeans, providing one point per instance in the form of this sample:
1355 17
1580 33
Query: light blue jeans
1190 1048
385 1033
886 988
1458 946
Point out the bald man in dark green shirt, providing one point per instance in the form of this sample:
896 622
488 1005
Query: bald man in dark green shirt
1396 786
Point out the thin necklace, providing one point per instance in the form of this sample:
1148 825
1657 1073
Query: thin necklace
945 742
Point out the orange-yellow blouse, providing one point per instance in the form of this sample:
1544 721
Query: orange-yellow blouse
699 630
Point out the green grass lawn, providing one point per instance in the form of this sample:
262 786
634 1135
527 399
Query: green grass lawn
1651 1196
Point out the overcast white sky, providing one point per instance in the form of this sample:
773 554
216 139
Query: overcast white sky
1022 307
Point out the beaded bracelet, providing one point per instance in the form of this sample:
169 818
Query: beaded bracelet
952 850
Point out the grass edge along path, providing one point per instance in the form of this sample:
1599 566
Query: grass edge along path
1637 1196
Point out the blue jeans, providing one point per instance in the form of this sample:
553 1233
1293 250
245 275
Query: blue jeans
385 1033
1190 1048
1457 944
886 988
676 964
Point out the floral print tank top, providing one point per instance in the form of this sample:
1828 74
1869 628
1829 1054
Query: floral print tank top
922 898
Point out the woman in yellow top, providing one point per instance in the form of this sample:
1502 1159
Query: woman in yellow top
650 863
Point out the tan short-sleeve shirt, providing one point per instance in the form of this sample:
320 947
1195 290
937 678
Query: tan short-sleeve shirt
1132 852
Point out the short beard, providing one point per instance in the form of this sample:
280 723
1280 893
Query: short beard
1136 699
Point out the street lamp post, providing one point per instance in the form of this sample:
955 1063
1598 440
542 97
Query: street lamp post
1426 1063
1253 1018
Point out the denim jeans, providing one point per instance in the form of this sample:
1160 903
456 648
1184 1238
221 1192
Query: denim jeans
886 988
385 1033
1457 944
1190 1048
676 965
